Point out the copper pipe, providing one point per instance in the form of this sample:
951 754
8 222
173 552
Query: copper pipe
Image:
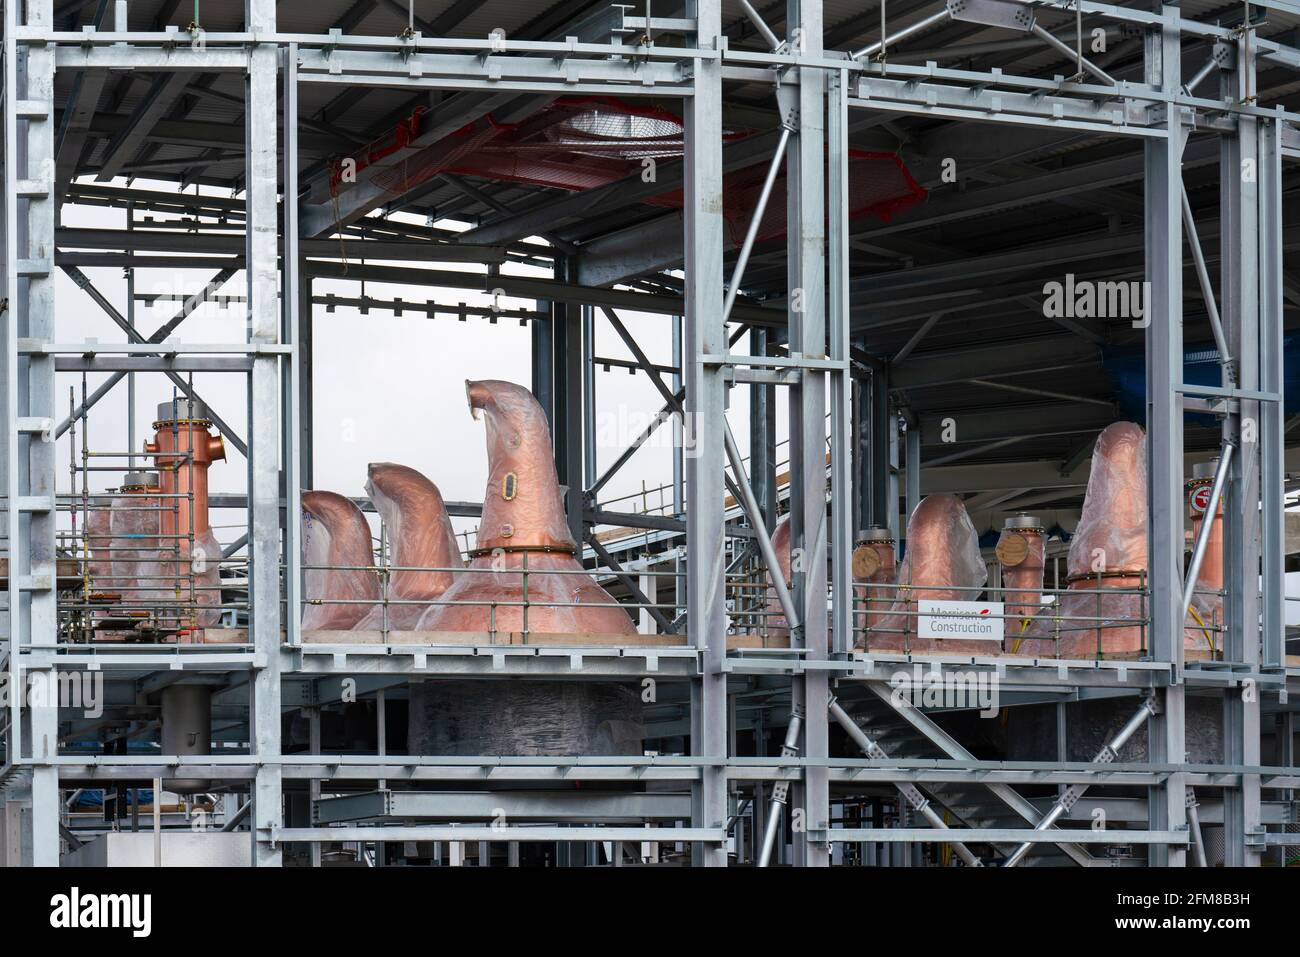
335 533
188 553
875 564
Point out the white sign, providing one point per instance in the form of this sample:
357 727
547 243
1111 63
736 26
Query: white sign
981 620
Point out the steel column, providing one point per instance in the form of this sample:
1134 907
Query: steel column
762 434
29 285
806 316
841 386
1272 442
264 430
705 335
1240 249
1164 374
566 393
295 301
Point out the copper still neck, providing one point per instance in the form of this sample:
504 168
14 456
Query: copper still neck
522 507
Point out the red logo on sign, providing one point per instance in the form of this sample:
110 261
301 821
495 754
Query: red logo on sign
1201 498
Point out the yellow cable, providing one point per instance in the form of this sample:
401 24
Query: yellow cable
1205 630
1024 623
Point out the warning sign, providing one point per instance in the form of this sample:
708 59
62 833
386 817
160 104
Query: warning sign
1201 498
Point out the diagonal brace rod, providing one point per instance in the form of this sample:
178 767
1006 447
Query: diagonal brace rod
84 282
629 583
1067 800
162 333
910 792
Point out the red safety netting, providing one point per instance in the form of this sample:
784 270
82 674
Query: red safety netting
579 143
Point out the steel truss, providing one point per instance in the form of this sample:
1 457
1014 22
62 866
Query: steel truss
820 92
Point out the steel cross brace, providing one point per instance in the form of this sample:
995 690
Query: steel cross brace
1007 795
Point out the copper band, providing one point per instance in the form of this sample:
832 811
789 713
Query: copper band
506 549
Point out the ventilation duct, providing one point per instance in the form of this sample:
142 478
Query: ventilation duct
578 143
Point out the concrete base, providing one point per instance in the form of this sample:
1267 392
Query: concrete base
533 718
179 849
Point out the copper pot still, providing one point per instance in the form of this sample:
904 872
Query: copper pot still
335 533
942 562
420 540
523 523
1107 561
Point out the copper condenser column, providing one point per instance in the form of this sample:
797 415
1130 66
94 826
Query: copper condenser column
874 566
1207 600
1020 552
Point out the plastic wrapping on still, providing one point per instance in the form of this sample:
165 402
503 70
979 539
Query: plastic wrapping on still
135 524
99 532
1102 612
942 563
335 534
180 589
776 626
420 536
1112 532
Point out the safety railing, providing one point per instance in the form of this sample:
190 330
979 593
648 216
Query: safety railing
524 609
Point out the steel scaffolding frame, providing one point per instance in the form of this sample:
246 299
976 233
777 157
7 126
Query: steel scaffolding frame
819 92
